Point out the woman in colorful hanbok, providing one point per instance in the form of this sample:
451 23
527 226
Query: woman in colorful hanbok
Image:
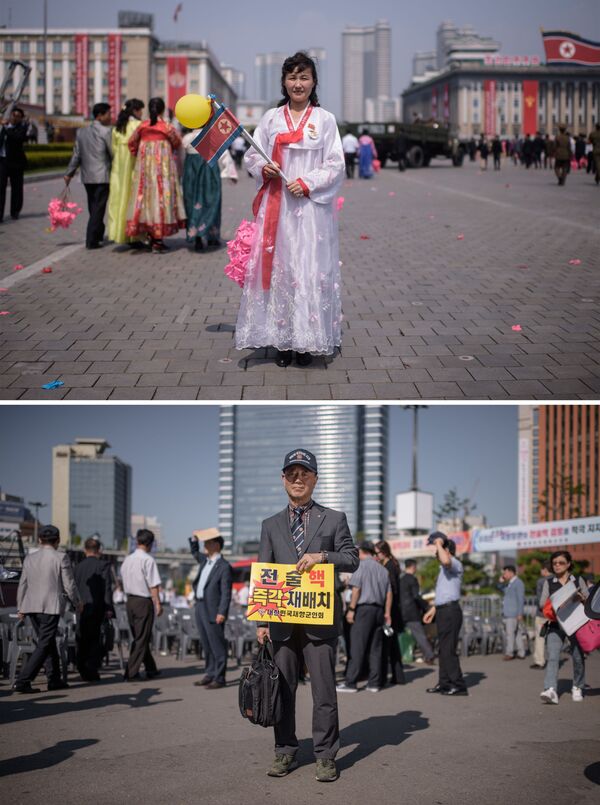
155 203
366 154
121 170
202 194
291 298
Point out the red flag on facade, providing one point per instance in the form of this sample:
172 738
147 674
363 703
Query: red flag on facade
563 47
178 9
530 107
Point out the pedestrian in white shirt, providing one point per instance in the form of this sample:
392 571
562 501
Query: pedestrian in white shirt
350 145
141 582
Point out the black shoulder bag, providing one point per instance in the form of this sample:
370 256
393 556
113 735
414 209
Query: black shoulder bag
259 691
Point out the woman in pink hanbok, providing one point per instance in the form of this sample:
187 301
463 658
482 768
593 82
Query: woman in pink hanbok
291 297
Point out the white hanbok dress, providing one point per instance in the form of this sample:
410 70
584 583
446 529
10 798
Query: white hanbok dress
291 296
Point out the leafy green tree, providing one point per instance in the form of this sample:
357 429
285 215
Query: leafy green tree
455 508
566 496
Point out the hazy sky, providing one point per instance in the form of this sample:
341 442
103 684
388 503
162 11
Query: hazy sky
236 30
174 454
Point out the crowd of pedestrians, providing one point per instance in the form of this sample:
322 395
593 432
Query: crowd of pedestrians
561 152
150 177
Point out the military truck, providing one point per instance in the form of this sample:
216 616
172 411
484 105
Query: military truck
411 145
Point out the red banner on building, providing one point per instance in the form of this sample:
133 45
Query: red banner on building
563 47
81 74
176 79
489 113
434 103
530 107
446 102
114 74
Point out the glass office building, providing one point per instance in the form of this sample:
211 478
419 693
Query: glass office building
91 492
350 443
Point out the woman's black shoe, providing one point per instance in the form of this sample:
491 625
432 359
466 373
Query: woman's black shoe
284 358
303 358
198 245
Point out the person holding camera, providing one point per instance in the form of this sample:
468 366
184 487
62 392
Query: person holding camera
212 593
448 616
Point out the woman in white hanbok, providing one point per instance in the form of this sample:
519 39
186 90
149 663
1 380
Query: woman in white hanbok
291 298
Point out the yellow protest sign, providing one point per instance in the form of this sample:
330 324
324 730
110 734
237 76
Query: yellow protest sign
280 594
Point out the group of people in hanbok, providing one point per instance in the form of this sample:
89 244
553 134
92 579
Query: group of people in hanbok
147 200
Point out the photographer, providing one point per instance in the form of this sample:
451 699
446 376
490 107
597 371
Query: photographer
448 615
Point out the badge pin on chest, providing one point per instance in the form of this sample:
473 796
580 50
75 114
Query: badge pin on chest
312 132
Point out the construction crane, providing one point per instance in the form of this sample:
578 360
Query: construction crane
9 100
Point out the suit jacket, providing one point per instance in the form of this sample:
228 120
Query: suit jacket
94 584
327 531
13 138
514 598
412 606
217 591
93 152
46 583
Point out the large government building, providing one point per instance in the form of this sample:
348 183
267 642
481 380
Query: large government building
467 83
73 69
350 443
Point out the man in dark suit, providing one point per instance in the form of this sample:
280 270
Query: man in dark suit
413 607
13 161
92 577
306 534
212 590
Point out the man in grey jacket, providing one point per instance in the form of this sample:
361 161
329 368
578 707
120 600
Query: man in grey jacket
306 534
513 608
45 584
93 152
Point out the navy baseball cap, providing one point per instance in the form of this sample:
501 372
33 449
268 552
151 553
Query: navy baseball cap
437 535
50 533
303 457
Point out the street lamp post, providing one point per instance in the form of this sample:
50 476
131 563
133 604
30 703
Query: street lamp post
37 506
415 452
45 94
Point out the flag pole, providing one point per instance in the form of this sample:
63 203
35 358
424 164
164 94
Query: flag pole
251 141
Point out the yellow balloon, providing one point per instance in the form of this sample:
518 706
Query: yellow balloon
193 111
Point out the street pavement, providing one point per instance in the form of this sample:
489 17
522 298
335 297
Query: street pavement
168 741
457 284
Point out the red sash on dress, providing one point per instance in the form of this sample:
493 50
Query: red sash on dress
275 188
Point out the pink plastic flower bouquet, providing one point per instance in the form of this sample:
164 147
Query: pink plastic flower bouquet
239 250
62 212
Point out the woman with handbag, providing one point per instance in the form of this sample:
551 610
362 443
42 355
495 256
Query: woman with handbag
291 298
562 565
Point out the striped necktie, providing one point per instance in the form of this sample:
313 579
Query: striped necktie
298 529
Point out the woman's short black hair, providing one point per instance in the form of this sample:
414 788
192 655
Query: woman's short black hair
565 554
299 61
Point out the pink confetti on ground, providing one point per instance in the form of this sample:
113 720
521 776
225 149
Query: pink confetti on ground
431 217
4 313
340 202
3 290
365 237
18 267
522 266
460 237
392 193
574 262
46 270
516 328
506 185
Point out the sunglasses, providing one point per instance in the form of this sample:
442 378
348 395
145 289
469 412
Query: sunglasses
559 562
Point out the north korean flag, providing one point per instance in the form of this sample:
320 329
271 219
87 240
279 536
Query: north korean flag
217 135
563 47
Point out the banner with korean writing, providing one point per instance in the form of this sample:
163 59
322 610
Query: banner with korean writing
114 74
280 594
81 74
538 535
489 89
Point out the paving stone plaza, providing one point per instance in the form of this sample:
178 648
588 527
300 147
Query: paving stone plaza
457 284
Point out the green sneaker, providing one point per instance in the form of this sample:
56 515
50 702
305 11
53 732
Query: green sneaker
326 771
282 765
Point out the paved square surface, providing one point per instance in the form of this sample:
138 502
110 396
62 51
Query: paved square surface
440 265
168 741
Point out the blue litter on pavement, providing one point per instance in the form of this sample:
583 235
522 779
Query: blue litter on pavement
55 384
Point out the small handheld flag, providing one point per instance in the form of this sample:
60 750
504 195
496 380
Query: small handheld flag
220 131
